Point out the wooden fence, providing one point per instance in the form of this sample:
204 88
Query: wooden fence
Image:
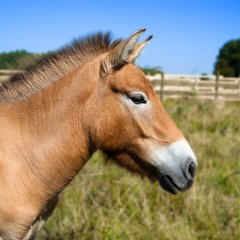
5 74
184 86
201 87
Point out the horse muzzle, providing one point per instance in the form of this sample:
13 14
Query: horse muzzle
173 186
176 166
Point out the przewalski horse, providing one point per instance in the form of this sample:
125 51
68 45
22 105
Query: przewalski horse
53 116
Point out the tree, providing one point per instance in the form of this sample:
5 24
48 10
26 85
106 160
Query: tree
228 59
19 59
151 70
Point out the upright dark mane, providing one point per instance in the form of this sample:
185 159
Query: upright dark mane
55 65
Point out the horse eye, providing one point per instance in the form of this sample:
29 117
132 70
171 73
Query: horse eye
138 98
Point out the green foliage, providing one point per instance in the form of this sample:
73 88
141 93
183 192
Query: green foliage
228 59
19 59
204 77
107 202
151 71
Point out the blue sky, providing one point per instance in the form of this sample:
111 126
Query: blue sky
187 33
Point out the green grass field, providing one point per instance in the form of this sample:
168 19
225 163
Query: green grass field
107 202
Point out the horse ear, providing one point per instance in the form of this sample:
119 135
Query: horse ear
121 54
137 50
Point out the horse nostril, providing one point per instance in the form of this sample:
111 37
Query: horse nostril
192 169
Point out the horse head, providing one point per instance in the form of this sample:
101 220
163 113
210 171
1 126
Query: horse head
129 123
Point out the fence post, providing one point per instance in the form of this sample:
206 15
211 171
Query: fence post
216 85
161 86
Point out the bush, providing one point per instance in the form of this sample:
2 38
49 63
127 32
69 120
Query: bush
19 59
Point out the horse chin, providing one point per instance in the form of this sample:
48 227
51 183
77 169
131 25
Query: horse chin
144 169
167 184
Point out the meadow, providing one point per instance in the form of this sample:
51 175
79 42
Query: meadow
107 202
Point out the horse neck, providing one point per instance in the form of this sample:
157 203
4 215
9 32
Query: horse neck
48 133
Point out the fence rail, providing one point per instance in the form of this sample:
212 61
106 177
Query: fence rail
5 74
214 87
184 86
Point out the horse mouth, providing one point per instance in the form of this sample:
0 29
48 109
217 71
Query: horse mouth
168 184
